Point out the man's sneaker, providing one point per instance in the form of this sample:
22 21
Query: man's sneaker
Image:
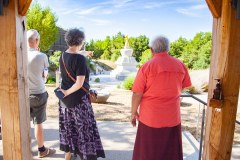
47 152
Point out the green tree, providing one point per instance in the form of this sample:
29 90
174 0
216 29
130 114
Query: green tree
111 47
116 53
177 47
203 56
200 39
117 45
196 55
139 45
106 46
44 21
96 47
106 55
146 55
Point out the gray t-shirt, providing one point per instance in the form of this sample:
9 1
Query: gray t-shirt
37 62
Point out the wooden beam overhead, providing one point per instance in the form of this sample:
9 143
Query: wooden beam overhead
215 7
23 6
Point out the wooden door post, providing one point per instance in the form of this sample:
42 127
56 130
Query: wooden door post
13 85
225 65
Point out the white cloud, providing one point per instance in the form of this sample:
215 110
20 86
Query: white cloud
107 11
151 5
88 11
193 11
116 3
100 22
102 8
156 4
121 3
198 7
187 12
66 11
107 17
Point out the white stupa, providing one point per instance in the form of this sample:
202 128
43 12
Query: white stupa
126 64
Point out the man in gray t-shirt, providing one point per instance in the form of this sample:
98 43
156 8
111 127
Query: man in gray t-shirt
37 66
37 73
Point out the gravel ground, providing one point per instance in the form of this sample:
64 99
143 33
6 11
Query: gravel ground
118 108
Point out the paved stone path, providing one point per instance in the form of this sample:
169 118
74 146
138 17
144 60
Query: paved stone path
117 138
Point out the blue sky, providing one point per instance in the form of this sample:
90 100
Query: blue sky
99 18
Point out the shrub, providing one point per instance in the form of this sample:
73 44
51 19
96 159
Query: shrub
54 59
118 86
128 82
51 80
97 80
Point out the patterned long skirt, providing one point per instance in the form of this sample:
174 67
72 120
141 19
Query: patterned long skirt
78 131
158 143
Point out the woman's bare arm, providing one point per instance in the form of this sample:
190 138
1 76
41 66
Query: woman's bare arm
76 86
136 99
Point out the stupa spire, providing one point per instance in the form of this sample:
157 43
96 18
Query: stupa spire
126 43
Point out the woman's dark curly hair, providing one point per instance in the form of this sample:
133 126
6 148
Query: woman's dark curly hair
74 37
